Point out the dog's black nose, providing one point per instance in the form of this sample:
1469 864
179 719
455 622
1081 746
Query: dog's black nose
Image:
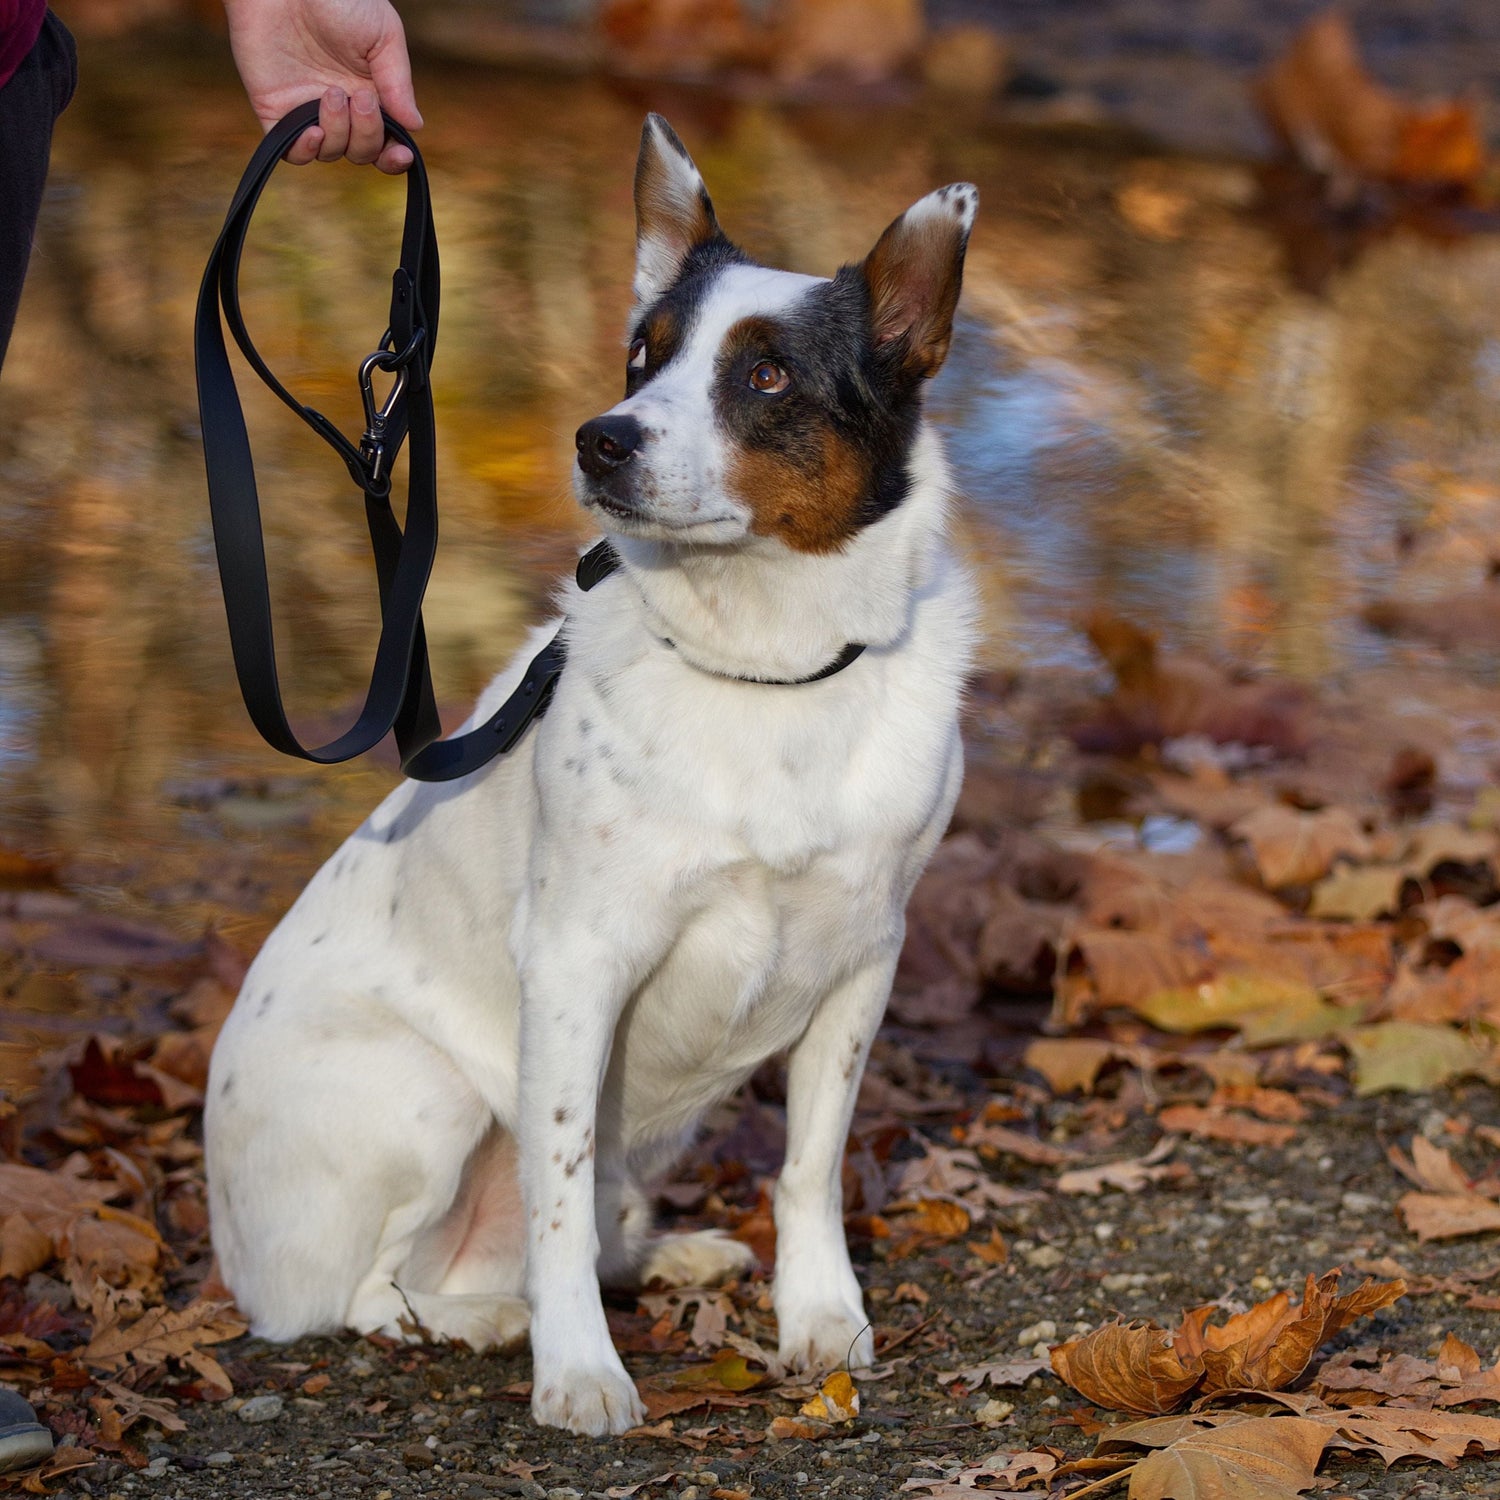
606 443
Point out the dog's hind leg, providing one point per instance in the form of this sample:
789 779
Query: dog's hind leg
702 1258
481 1320
462 1278
338 1145
630 1255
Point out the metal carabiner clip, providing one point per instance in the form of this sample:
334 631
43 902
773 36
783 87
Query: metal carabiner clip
372 444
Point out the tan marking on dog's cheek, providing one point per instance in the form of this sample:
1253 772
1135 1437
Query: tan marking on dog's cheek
813 511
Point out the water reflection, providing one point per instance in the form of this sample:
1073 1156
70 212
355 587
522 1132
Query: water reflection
1145 413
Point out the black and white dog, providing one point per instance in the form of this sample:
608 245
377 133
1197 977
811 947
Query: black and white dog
506 1002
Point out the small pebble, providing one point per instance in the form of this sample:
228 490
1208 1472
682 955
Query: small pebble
1043 1258
1045 1329
219 1460
261 1409
993 1412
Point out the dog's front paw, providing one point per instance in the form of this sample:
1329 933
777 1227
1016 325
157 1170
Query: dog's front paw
826 1337
590 1400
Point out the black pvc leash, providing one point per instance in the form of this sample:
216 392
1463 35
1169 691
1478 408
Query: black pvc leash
400 696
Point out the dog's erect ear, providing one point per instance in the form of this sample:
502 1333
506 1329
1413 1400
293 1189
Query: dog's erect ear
672 209
914 274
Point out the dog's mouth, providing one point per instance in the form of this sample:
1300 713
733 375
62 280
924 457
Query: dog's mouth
615 508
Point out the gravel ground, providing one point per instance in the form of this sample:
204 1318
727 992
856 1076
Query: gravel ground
429 1422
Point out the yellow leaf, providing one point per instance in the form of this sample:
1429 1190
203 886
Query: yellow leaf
836 1401
1411 1056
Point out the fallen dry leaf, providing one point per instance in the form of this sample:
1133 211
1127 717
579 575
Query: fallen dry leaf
837 1400
1359 895
1442 1436
1258 1458
1128 1367
1430 1167
1000 1140
1414 1058
23 1247
1272 1344
1264 1008
1447 1216
1069 1063
993 1251
161 1335
999 1473
1296 848
1224 1125
1004 1372
783 1429
1142 1367
1129 1176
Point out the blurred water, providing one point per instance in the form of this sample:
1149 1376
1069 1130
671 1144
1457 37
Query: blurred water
1144 412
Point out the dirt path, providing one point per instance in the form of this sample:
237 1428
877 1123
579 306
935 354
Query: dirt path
418 1422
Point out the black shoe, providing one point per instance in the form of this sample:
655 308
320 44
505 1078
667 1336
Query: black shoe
23 1440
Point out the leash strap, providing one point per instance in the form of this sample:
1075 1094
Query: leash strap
400 696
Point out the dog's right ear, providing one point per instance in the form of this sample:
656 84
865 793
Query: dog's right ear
672 210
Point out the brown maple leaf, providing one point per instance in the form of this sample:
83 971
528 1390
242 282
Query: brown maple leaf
162 1335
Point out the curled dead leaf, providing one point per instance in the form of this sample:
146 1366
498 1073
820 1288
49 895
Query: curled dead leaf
1142 1367
1127 1367
837 1400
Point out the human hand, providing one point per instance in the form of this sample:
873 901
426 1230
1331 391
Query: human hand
353 51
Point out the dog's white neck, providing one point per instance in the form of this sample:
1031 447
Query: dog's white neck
763 610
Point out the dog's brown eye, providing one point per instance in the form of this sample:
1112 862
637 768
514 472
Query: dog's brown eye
637 355
769 378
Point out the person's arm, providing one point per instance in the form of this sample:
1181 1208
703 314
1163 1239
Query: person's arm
352 52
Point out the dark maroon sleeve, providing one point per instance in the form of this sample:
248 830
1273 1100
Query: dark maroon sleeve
20 21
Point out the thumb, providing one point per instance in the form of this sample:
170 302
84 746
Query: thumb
390 72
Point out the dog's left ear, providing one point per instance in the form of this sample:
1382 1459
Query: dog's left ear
914 274
673 212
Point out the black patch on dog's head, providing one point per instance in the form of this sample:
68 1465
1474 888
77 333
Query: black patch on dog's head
667 324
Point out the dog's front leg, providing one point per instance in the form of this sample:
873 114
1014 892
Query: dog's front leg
819 1306
572 995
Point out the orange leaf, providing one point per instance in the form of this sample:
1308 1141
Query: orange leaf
1069 1063
1261 1458
1442 145
1127 1366
782 1428
1221 1125
1446 1216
